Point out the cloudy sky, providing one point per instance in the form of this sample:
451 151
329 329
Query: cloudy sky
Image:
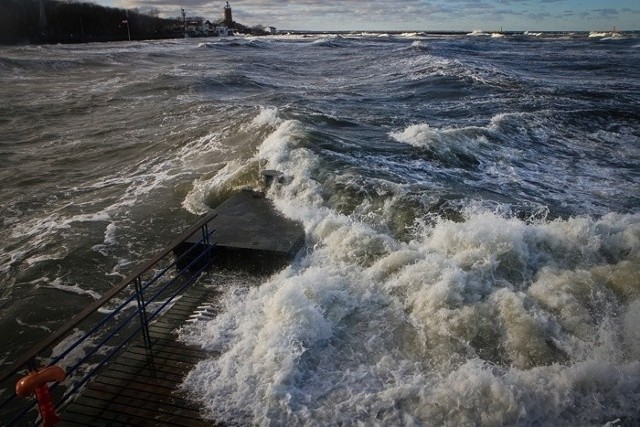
427 15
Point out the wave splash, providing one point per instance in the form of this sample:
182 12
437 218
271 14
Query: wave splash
485 320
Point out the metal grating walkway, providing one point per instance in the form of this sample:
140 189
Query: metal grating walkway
140 387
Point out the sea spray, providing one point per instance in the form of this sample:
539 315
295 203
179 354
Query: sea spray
316 341
470 341
487 320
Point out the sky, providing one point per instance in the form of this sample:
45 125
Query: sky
401 15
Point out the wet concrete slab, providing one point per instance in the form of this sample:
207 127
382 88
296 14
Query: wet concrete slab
250 235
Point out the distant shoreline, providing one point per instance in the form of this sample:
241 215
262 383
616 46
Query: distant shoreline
176 36
440 32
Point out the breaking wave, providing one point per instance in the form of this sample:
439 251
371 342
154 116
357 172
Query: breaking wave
486 320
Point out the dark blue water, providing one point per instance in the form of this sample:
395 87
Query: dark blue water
471 203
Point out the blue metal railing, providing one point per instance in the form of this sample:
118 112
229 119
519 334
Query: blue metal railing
142 295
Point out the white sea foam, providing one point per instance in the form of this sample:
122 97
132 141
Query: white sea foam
424 66
420 135
210 153
75 289
450 144
75 354
371 330
21 323
487 321
122 264
478 33
267 117
233 176
32 260
109 239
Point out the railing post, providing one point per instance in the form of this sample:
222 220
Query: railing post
205 239
142 310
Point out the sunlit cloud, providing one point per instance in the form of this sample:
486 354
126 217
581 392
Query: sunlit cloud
406 14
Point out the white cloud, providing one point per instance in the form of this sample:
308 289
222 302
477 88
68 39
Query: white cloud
406 14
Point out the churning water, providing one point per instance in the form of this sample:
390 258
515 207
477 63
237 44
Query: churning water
471 205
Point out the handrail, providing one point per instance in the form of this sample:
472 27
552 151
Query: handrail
67 327
186 277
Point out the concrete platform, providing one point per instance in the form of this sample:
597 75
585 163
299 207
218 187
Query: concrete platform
250 236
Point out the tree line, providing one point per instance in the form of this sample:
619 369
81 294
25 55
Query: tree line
71 21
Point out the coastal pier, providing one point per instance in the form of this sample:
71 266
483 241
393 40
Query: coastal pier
122 361
140 386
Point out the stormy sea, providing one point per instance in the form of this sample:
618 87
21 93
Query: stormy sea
471 205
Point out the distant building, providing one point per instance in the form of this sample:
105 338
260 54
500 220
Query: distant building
211 29
272 30
228 18
195 28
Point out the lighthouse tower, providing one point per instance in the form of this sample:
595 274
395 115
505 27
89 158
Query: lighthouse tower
228 20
